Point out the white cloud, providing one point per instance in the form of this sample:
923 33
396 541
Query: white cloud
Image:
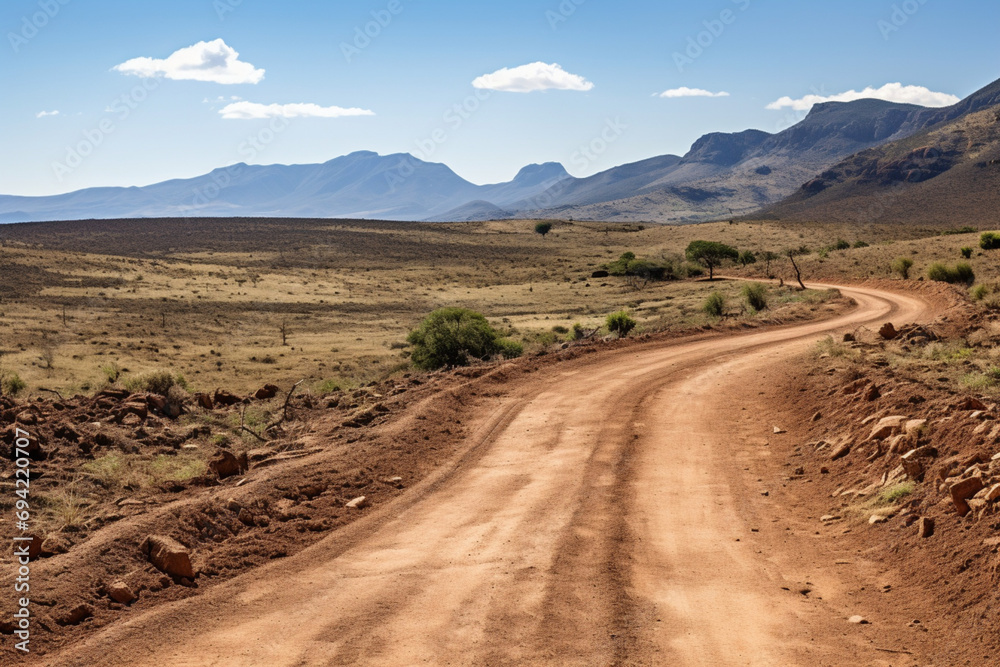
684 91
43 114
890 92
532 77
213 61
253 110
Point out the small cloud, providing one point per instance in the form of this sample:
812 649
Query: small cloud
532 77
43 114
691 92
213 61
252 110
890 92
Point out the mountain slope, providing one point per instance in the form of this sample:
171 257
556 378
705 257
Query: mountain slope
698 189
359 185
949 174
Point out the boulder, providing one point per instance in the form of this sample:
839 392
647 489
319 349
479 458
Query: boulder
886 427
204 401
168 555
991 494
266 392
222 397
914 427
54 544
971 403
850 338
888 331
225 464
925 527
872 393
964 489
121 593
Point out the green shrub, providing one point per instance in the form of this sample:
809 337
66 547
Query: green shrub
112 371
964 274
755 294
966 253
620 323
456 337
577 333
715 305
939 272
979 292
154 382
860 244
11 384
560 329
960 230
543 228
902 267
841 244
961 273
989 241
747 257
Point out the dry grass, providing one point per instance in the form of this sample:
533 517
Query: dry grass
328 301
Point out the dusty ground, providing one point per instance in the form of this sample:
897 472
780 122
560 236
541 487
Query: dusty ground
571 508
586 520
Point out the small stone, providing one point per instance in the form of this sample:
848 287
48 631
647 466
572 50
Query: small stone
857 620
964 489
925 527
76 615
816 417
840 451
877 518
168 555
358 503
54 544
992 494
233 505
778 430
225 464
829 517
888 331
120 592
245 517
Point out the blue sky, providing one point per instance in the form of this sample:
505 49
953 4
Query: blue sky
140 121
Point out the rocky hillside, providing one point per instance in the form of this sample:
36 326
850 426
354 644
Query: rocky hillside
949 174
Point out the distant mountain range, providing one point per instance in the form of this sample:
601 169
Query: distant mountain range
946 174
722 175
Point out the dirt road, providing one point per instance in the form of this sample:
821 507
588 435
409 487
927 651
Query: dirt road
597 518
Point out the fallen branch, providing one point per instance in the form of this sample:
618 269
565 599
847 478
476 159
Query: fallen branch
284 409
244 427
891 650
52 391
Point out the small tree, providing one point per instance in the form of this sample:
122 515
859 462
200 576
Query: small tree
455 337
902 266
966 253
767 256
620 323
711 254
543 228
747 257
792 254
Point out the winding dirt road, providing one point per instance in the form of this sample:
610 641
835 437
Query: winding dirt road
595 519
